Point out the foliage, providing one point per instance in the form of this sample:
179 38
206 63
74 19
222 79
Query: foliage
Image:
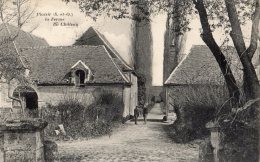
16 11
239 142
84 121
119 9
180 9
194 107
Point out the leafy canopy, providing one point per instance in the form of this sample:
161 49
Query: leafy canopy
182 10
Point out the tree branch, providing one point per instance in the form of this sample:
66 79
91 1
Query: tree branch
236 33
254 32
10 96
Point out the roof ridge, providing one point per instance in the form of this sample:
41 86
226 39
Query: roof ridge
73 46
180 64
119 70
101 36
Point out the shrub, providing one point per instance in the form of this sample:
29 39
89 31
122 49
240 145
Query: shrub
97 128
194 107
84 121
107 107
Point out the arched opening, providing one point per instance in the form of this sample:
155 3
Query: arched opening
29 100
80 77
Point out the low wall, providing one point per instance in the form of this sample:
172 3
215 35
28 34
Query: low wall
55 94
22 140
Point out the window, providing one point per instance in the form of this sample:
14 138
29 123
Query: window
80 76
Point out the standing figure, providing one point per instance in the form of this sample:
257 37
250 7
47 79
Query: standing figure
145 113
136 114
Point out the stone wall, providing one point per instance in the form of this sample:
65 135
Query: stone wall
55 94
22 141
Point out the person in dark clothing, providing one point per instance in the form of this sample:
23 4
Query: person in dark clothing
145 113
136 114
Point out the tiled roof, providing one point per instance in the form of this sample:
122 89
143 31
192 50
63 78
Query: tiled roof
94 37
23 39
12 39
50 65
200 67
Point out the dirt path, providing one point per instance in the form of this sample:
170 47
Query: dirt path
131 143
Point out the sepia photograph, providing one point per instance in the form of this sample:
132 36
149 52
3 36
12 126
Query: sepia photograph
129 80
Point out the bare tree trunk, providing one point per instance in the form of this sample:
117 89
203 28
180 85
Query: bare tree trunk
14 98
219 56
251 84
250 78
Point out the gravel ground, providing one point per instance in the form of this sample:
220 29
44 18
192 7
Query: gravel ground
142 142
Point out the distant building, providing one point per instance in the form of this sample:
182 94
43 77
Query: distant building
156 93
197 75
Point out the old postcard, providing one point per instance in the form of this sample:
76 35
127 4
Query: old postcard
129 80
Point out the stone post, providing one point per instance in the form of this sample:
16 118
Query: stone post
22 140
214 139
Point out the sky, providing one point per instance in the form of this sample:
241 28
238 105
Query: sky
118 32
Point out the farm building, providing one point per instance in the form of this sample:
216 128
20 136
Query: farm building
198 78
60 73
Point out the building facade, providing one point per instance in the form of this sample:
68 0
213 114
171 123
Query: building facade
80 72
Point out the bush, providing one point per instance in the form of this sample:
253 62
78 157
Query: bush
239 143
194 107
84 121
97 128
239 135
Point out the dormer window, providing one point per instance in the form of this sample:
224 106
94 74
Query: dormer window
81 74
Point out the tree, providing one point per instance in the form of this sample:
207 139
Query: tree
17 11
12 66
174 41
142 48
